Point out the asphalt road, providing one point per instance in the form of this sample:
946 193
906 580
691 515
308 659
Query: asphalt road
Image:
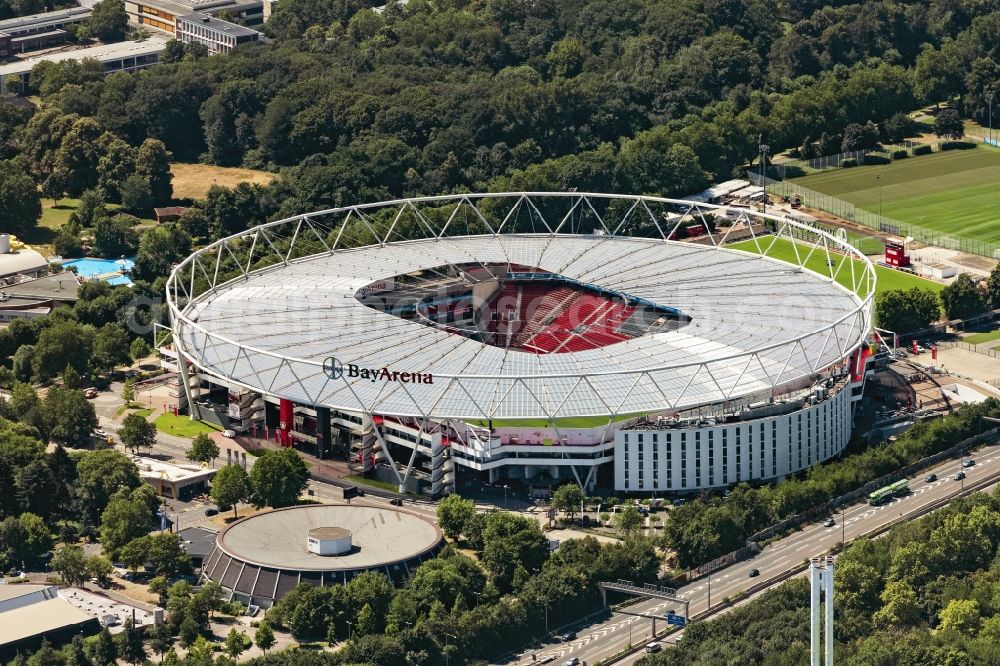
601 640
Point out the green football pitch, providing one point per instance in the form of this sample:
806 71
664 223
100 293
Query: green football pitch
956 192
885 278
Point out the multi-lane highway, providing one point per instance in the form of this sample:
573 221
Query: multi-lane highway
602 640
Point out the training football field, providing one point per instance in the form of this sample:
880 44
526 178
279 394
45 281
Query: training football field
956 192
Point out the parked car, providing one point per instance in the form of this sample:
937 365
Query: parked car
754 573
99 432
211 511
567 637
90 393
930 478
968 463
653 647
959 476
830 522
395 501
572 661
229 433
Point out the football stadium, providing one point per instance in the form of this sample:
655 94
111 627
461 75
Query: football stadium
614 340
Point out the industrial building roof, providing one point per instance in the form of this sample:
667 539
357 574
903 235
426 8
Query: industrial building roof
57 287
39 618
102 53
21 261
153 468
57 17
8 592
219 25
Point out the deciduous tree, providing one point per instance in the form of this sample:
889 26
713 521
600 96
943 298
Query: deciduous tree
108 21
231 486
453 514
568 498
71 563
962 298
264 636
278 478
949 123
137 433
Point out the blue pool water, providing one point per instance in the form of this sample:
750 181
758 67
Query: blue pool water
90 268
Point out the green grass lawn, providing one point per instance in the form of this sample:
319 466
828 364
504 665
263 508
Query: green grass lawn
131 405
980 338
954 192
886 278
56 215
182 426
374 483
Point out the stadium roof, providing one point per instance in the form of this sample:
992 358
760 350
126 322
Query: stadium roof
757 323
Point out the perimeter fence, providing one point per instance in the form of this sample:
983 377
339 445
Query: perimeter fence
880 223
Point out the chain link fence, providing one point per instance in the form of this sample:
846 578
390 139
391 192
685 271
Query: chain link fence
886 225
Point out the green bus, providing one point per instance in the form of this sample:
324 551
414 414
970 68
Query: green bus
895 489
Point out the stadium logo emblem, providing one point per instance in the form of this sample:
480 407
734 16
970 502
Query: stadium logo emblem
334 369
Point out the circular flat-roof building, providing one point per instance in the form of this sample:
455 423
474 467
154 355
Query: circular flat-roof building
654 344
260 558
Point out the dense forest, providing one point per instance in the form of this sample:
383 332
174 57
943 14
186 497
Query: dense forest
651 97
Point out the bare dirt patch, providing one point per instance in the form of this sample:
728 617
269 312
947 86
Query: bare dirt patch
191 181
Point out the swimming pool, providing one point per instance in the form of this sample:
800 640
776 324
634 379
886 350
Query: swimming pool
92 267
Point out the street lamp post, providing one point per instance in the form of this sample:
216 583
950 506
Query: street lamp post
350 629
764 149
709 591
843 526
878 179
447 649
505 488
989 102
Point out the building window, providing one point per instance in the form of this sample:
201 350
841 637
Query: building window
774 448
711 458
670 470
697 459
684 477
762 444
